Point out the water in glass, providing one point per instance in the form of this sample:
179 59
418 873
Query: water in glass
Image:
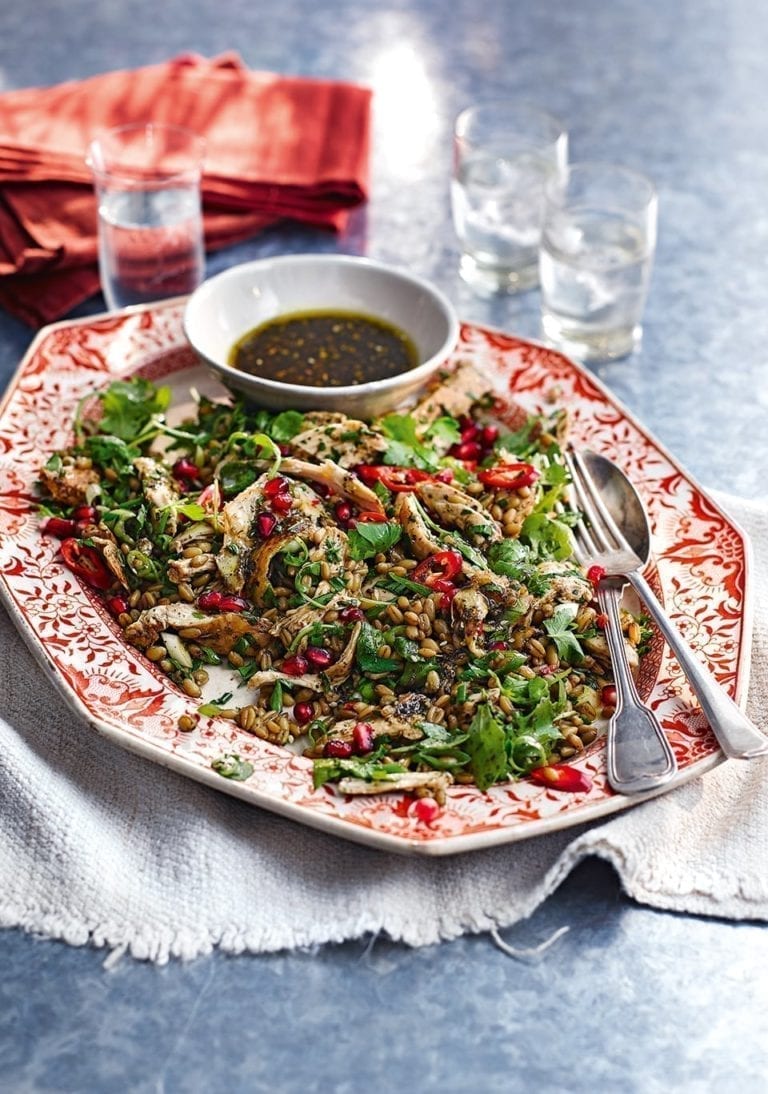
594 273
497 210
150 244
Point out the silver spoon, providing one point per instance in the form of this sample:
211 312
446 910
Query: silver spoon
735 733
638 755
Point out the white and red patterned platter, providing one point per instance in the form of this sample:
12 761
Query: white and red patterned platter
699 568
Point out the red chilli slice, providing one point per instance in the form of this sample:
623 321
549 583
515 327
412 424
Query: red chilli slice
508 476
562 777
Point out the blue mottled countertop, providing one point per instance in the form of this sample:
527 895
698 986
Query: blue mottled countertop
629 999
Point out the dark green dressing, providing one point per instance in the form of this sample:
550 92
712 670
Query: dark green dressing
324 349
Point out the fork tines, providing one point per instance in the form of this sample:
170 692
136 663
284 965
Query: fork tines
596 532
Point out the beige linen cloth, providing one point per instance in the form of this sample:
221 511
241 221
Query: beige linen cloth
98 846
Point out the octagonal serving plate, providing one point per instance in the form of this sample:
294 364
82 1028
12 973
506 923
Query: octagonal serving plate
700 568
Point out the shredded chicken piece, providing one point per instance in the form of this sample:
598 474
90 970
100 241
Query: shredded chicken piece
423 542
183 569
69 485
565 583
598 647
159 489
455 397
436 782
104 541
220 632
313 681
469 608
341 668
456 509
347 442
337 479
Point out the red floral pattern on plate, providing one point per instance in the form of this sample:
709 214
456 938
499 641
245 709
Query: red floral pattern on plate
700 570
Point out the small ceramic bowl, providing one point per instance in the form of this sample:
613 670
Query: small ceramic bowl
228 305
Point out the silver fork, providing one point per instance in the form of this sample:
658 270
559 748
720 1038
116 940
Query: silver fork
737 736
639 757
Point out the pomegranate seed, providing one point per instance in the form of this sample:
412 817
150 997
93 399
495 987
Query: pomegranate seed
351 615
467 451
118 605
281 503
470 432
321 489
490 436
601 621
210 601
303 713
562 777
85 513
295 665
229 603
185 469
426 810
61 528
318 657
608 696
266 522
338 750
446 475
362 737
595 574
343 511
465 422
275 486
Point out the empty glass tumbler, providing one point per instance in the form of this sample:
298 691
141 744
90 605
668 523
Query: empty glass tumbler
597 249
147 181
503 153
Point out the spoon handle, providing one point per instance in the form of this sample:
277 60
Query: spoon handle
639 756
735 733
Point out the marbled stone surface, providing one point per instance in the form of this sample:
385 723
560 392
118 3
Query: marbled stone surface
630 999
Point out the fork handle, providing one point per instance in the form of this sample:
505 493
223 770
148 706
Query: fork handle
639 757
735 733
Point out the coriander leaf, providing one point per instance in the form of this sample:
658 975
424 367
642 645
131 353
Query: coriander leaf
108 451
510 558
235 476
444 431
232 767
191 510
558 628
128 406
367 652
486 746
550 538
367 540
286 425
405 448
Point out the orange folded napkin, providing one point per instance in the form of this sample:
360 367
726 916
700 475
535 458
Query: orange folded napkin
276 147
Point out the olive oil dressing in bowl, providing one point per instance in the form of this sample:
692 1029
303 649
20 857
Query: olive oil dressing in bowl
325 347
322 332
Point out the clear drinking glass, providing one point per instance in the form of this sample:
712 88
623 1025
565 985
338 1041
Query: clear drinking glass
147 181
597 249
503 153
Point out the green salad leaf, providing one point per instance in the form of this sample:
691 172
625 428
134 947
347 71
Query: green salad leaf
368 539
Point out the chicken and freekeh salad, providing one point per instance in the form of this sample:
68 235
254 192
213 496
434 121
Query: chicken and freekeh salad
399 596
